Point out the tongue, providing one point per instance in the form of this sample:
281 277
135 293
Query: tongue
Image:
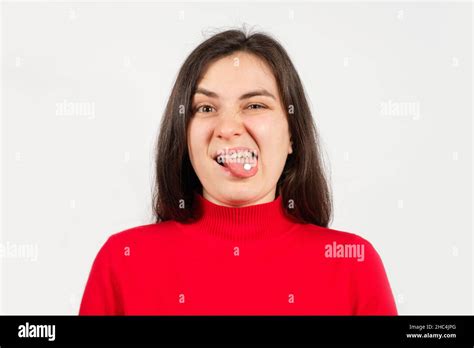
237 169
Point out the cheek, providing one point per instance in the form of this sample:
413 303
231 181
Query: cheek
272 139
261 129
271 134
198 143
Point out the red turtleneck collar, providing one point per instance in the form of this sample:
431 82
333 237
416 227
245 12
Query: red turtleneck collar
240 224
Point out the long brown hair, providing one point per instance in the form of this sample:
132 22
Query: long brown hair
304 188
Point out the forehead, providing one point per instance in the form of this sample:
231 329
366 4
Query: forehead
233 75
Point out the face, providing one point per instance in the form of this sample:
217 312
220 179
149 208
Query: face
238 113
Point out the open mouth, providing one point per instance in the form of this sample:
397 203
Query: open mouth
238 162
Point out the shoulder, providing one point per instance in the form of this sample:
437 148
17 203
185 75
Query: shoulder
143 237
155 230
320 234
340 246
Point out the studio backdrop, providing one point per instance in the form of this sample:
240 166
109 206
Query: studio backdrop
84 86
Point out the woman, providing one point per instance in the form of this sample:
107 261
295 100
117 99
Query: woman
242 204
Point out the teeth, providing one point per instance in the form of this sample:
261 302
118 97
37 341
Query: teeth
239 156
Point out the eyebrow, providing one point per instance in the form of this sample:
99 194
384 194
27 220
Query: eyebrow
258 92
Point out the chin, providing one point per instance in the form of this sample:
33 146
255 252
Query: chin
238 196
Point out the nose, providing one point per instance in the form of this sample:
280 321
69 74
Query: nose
229 125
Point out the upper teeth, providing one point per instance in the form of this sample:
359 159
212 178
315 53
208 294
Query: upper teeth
236 155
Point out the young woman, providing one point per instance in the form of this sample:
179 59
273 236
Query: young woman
242 204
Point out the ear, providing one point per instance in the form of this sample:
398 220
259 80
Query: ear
290 148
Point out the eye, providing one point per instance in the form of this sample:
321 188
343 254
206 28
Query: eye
256 106
204 108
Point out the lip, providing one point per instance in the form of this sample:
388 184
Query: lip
236 149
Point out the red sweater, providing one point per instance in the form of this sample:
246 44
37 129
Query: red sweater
252 260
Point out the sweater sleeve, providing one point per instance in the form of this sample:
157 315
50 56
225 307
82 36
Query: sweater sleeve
100 296
373 293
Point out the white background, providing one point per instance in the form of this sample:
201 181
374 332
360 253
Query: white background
401 179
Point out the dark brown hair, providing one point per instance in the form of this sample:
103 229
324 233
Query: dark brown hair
303 185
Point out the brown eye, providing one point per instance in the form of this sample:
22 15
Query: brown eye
205 108
256 106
